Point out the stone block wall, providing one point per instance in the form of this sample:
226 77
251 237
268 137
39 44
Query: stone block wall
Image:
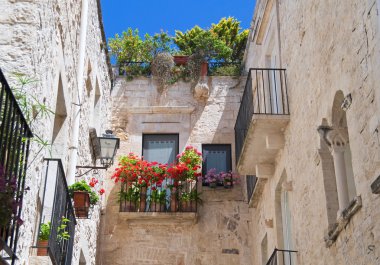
41 39
325 47
219 232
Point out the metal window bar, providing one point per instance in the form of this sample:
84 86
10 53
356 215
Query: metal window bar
56 205
224 69
14 150
132 69
266 93
251 183
282 257
182 198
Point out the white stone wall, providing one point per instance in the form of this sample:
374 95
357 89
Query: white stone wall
41 39
325 46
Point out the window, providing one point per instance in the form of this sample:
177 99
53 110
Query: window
161 148
216 156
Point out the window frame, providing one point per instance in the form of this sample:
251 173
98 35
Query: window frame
228 160
176 135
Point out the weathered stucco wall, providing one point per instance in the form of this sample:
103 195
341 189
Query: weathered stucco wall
326 47
41 39
219 234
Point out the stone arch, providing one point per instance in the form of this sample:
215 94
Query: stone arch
329 181
284 233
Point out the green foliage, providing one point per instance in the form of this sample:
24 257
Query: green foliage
44 231
132 194
229 31
130 47
62 233
227 70
203 42
31 107
83 186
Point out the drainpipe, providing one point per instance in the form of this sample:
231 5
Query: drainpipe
73 152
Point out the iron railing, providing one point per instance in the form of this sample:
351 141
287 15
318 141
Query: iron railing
14 151
251 183
183 197
266 93
133 69
57 206
282 257
224 69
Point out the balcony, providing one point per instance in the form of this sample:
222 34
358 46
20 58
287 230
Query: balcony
56 207
282 257
14 151
262 119
159 203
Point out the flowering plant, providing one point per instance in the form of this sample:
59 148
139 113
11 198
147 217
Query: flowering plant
8 199
83 186
221 178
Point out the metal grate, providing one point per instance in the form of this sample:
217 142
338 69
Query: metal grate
266 93
14 151
56 204
251 183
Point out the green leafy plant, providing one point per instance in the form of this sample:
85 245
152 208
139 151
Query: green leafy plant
132 194
83 186
44 231
194 195
31 107
62 233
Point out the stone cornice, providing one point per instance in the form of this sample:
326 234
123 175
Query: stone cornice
161 109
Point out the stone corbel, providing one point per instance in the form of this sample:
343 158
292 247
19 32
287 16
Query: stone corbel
269 223
275 141
264 170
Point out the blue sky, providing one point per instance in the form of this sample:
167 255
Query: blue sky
168 15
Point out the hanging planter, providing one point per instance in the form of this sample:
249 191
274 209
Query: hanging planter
81 203
204 69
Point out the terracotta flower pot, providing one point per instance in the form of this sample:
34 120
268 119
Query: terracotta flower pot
227 184
204 68
185 206
81 203
173 203
43 247
180 59
142 205
128 206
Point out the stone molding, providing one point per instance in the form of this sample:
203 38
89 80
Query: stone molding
161 109
343 220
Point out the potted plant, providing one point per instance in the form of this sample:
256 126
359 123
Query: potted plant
43 239
195 200
173 198
129 199
228 179
83 197
185 199
158 200
212 178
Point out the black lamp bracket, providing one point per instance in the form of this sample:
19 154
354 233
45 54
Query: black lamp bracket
89 169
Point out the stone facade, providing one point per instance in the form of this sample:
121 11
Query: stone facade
218 233
331 55
62 46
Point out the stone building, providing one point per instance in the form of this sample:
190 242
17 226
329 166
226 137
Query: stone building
311 138
218 232
61 45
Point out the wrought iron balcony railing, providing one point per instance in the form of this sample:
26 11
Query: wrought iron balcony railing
183 197
251 183
58 210
266 93
282 257
14 151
